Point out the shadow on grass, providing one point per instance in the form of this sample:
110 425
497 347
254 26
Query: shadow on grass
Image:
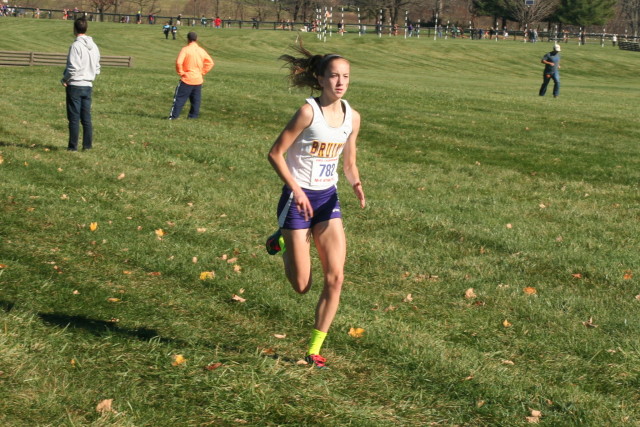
32 146
100 327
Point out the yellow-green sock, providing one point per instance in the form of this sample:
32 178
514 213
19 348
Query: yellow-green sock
315 343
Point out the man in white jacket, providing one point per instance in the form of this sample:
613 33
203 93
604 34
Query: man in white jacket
83 65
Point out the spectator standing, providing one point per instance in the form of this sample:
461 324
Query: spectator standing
83 65
217 22
551 63
192 64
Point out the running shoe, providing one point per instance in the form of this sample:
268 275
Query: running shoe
316 360
275 243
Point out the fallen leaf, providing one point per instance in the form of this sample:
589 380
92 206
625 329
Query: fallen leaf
207 275
113 299
508 362
105 406
126 272
76 292
542 206
1 160
302 362
201 229
408 298
577 275
213 366
64 197
506 323
469 294
559 239
93 226
390 308
533 420
241 291
268 351
589 323
121 176
224 257
232 260
194 260
535 413
530 290
509 226
628 275
237 268
638 297
178 359
356 332
237 298
480 403
469 378
73 362
280 336
155 273
160 233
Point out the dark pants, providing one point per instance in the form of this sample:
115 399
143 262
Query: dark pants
183 92
556 83
79 111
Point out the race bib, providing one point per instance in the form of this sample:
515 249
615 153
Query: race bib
324 172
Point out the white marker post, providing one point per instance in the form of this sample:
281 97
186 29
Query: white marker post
435 29
406 23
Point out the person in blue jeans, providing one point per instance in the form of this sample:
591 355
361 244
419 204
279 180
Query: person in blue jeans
551 63
83 65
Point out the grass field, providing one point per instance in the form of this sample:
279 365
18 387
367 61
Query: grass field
511 220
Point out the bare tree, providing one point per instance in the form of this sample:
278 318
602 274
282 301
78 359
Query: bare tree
528 14
631 12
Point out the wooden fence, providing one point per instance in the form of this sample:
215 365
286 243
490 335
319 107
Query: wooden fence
41 58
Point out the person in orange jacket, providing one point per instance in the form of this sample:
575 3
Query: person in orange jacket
192 64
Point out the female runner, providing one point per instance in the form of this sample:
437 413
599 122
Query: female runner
305 156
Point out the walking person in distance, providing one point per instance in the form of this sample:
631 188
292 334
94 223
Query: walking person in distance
551 63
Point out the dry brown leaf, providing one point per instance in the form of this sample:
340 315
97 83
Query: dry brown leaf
589 323
160 233
530 290
105 406
64 197
155 273
237 268
638 297
201 229
93 226
535 413
232 260
509 226
508 362
121 176
469 378
533 420
469 294
280 336
113 299
628 275
3 265
194 260
224 257
302 362
506 323
268 351
213 366
390 308
237 298
408 298
577 275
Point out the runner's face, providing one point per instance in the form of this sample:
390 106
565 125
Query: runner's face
336 78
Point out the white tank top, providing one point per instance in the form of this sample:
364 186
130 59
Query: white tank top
313 157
